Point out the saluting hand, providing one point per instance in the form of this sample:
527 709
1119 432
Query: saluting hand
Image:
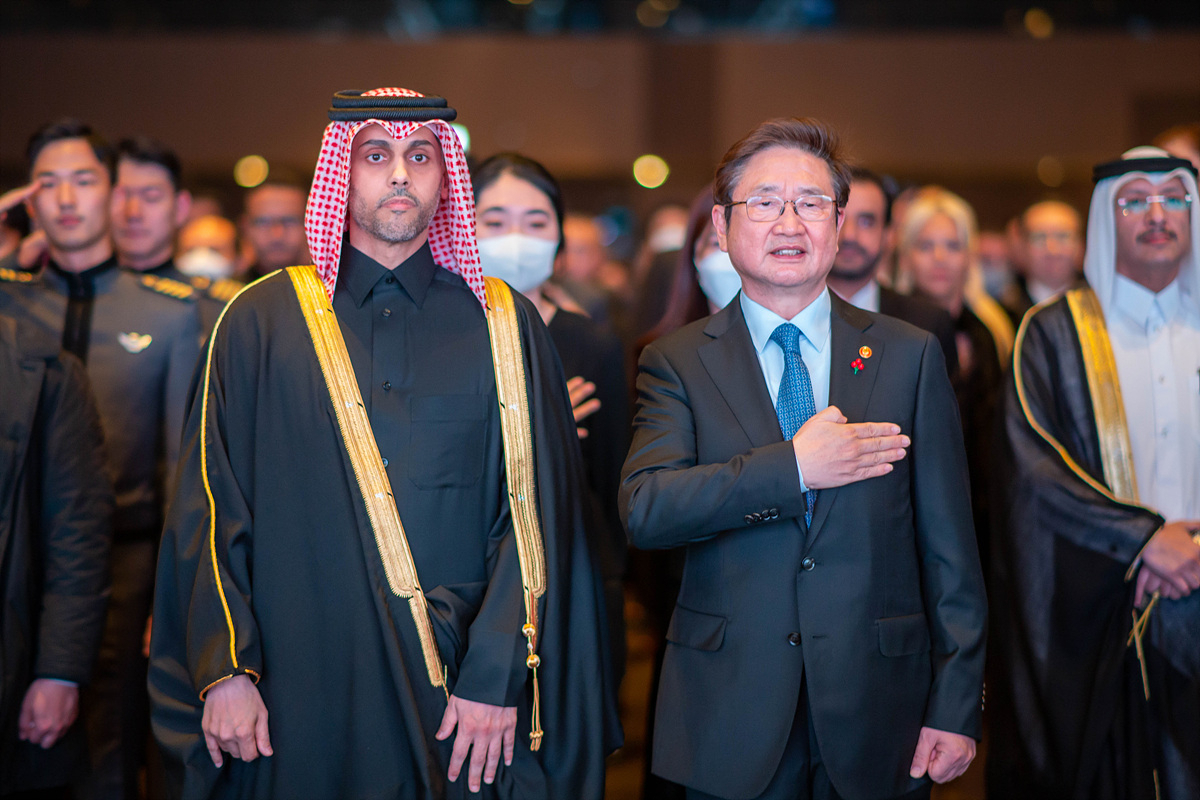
235 720
944 755
14 197
484 730
833 453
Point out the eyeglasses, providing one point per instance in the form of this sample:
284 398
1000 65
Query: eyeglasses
808 207
1140 205
1043 238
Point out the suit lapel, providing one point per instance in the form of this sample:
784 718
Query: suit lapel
733 366
849 391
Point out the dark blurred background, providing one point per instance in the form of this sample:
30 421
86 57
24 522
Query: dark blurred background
1003 103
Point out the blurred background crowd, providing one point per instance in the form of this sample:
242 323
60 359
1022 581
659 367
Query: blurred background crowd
974 127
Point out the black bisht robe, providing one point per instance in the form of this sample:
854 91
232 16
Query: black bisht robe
352 711
1068 713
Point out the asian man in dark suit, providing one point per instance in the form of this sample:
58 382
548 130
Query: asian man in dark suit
828 640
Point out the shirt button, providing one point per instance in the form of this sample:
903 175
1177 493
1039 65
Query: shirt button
385 462
793 639
387 386
808 563
387 312
389 279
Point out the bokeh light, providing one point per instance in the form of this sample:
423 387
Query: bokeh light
650 171
650 15
464 136
250 171
1039 23
1050 171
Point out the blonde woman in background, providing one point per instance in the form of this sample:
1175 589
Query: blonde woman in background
937 258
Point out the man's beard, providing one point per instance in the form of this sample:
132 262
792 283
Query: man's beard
865 271
393 230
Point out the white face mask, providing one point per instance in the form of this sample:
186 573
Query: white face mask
524 262
718 279
204 262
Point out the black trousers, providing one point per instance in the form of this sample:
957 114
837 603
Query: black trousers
801 774
118 702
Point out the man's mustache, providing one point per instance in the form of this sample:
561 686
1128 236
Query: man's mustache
401 192
1157 231
854 247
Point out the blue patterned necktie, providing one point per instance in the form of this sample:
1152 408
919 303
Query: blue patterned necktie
794 403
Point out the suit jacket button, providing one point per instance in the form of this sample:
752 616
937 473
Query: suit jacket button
774 513
808 563
793 639
749 519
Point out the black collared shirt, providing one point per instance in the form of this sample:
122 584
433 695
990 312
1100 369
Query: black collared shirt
418 340
419 344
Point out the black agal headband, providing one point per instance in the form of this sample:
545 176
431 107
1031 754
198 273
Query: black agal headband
351 106
1124 166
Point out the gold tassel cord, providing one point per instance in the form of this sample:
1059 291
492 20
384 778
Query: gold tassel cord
1135 639
517 431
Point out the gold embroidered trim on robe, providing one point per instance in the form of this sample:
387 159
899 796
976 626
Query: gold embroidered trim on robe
1116 453
509 363
212 505
364 455
1019 379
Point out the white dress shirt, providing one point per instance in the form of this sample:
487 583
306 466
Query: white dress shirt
1156 342
866 298
814 324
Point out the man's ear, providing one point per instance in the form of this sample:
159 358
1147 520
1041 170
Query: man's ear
183 207
720 226
445 193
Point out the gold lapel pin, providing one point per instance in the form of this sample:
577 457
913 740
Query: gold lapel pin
864 351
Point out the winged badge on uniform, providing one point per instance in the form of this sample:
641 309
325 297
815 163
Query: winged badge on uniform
134 342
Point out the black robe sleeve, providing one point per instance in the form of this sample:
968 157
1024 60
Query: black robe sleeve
216 550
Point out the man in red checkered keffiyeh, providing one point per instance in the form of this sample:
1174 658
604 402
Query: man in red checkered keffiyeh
275 590
452 229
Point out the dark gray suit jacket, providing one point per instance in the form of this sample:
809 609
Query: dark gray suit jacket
881 603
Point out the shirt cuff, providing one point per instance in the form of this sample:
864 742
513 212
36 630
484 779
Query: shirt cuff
800 474
60 680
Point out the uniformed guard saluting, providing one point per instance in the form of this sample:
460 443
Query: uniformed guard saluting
139 337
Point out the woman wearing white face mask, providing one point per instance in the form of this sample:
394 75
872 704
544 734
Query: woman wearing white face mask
705 281
518 223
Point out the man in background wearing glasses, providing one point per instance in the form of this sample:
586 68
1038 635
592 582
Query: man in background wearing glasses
1095 605
828 640
273 225
1053 233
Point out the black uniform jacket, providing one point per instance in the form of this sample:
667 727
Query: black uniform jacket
55 532
880 606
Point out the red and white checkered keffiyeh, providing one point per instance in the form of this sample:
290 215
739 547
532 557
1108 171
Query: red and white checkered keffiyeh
452 230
